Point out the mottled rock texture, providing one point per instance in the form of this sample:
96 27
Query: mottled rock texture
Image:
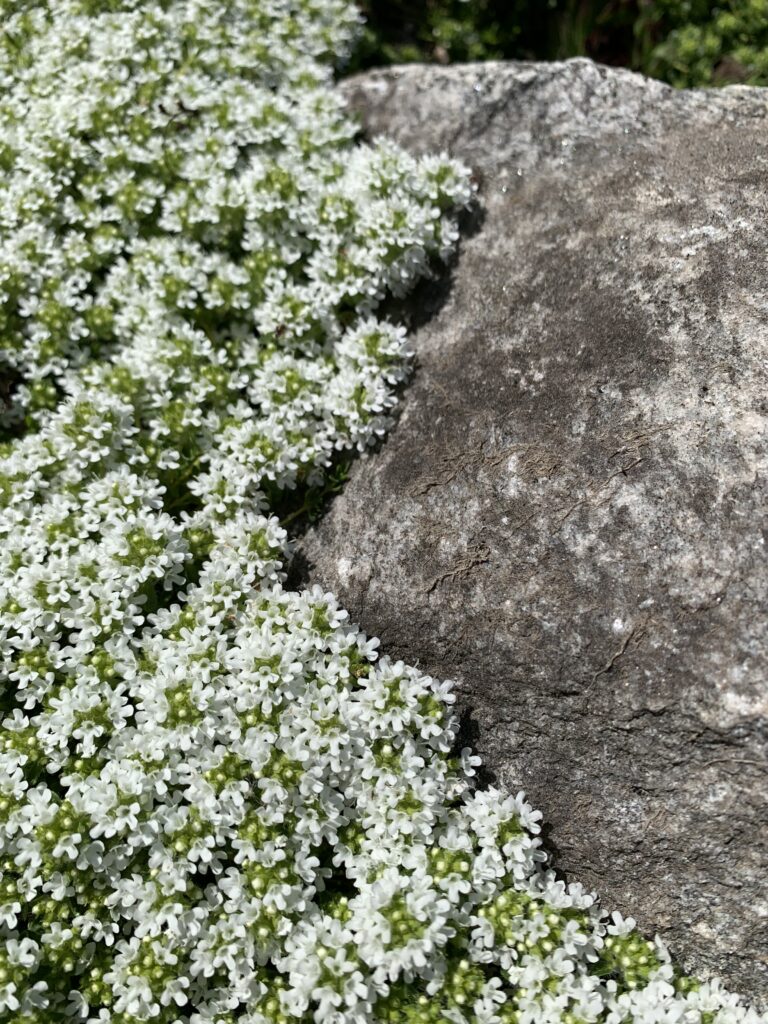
569 517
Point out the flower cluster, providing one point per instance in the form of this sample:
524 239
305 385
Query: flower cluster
217 803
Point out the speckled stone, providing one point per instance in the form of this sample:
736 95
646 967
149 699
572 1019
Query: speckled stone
569 517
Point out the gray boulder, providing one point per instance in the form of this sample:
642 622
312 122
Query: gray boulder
569 517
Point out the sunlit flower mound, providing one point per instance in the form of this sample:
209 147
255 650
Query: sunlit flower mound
218 803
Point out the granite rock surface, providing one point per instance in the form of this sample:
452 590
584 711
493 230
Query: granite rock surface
569 517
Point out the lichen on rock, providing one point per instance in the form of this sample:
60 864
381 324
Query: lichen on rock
568 518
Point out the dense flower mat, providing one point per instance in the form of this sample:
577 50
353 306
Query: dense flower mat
218 804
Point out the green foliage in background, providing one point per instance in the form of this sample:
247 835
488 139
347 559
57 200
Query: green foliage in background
708 44
400 31
684 42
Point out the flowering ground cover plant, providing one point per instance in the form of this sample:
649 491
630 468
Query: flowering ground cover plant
218 804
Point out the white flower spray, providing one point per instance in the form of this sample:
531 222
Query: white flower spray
217 803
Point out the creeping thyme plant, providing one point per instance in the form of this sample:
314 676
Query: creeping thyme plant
217 803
